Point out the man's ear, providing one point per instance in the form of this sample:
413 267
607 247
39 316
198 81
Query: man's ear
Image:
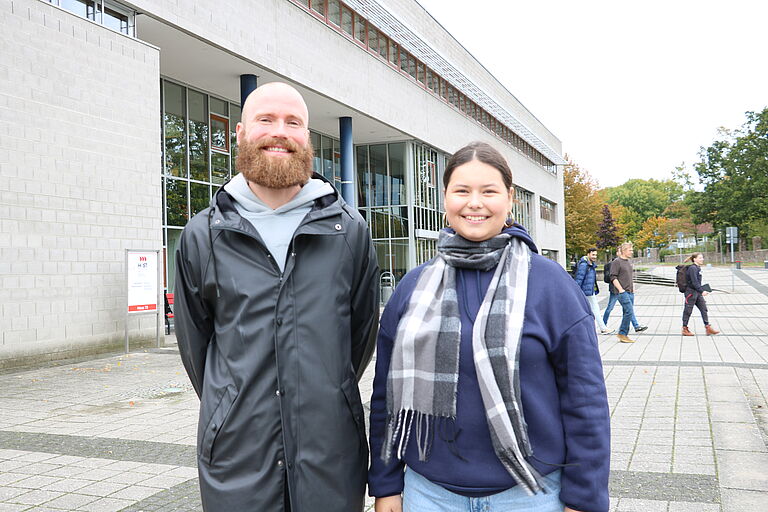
239 131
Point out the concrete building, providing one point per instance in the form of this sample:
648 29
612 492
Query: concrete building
117 124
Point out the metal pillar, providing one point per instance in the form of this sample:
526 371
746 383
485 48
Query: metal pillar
347 162
247 85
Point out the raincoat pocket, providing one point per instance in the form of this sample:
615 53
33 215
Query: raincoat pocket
216 423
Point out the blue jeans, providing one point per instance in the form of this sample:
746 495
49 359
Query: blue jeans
612 299
421 495
627 301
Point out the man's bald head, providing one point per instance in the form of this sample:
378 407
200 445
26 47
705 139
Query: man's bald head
273 95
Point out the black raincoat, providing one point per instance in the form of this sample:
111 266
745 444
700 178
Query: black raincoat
275 357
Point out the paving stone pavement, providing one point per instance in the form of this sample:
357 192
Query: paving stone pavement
689 417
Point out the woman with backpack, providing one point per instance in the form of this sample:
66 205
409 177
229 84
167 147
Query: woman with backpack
695 293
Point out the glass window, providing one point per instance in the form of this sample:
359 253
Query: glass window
176 212
373 39
219 168
363 177
346 20
547 210
420 72
378 162
198 136
412 66
400 259
305 3
334 12
317 164
219 106
379 223
84 8
327 152
170 256
219 133
175 133
116 20
397 174
318 6
199 197
393 56
234 118
359 28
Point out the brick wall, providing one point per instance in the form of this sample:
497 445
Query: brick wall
79 179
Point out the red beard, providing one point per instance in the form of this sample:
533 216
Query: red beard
274 172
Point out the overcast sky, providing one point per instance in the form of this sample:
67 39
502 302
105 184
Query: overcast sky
632 89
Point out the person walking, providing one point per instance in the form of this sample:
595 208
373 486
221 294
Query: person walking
586 278
621 278
613 298
276 309
694 295
489 391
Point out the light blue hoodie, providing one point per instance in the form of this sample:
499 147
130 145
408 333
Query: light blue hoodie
276 227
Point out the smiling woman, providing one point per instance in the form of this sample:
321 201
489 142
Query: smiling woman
477 341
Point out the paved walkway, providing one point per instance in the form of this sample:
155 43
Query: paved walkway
689 417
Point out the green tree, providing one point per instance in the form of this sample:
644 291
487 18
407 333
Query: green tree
582 209
647 198
734 172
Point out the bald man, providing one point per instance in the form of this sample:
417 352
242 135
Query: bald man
276 309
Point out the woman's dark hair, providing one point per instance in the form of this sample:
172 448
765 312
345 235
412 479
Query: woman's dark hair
482 152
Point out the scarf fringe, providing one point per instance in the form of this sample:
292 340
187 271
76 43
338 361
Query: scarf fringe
524 474
398 434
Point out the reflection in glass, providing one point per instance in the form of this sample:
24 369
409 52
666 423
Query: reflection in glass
400 259
176 212
115 20
219 133
334 12
378 162
175 130
219 168
198 136
363 182
170 254
198 197
219 106
397 173
346 20
84 8
379 222
399 221
317 163
327 152
234 118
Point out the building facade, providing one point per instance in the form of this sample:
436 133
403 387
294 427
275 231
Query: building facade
117 125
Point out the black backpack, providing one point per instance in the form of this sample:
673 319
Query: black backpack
607 272
681 279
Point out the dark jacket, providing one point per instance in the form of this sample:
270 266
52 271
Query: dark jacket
275 357
561 381
693 278
586 277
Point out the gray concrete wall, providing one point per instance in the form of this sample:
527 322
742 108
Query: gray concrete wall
79 179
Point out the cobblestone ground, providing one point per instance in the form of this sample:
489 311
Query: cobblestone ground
689 417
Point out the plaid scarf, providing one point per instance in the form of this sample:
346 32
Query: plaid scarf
424 371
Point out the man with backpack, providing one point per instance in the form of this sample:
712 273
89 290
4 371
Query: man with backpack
586 278
689 283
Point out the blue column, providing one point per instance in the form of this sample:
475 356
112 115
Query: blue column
247 85
347 162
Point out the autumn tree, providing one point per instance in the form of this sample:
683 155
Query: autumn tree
582 209
654 233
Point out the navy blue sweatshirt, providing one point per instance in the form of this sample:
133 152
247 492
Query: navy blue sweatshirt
562 386
694 277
